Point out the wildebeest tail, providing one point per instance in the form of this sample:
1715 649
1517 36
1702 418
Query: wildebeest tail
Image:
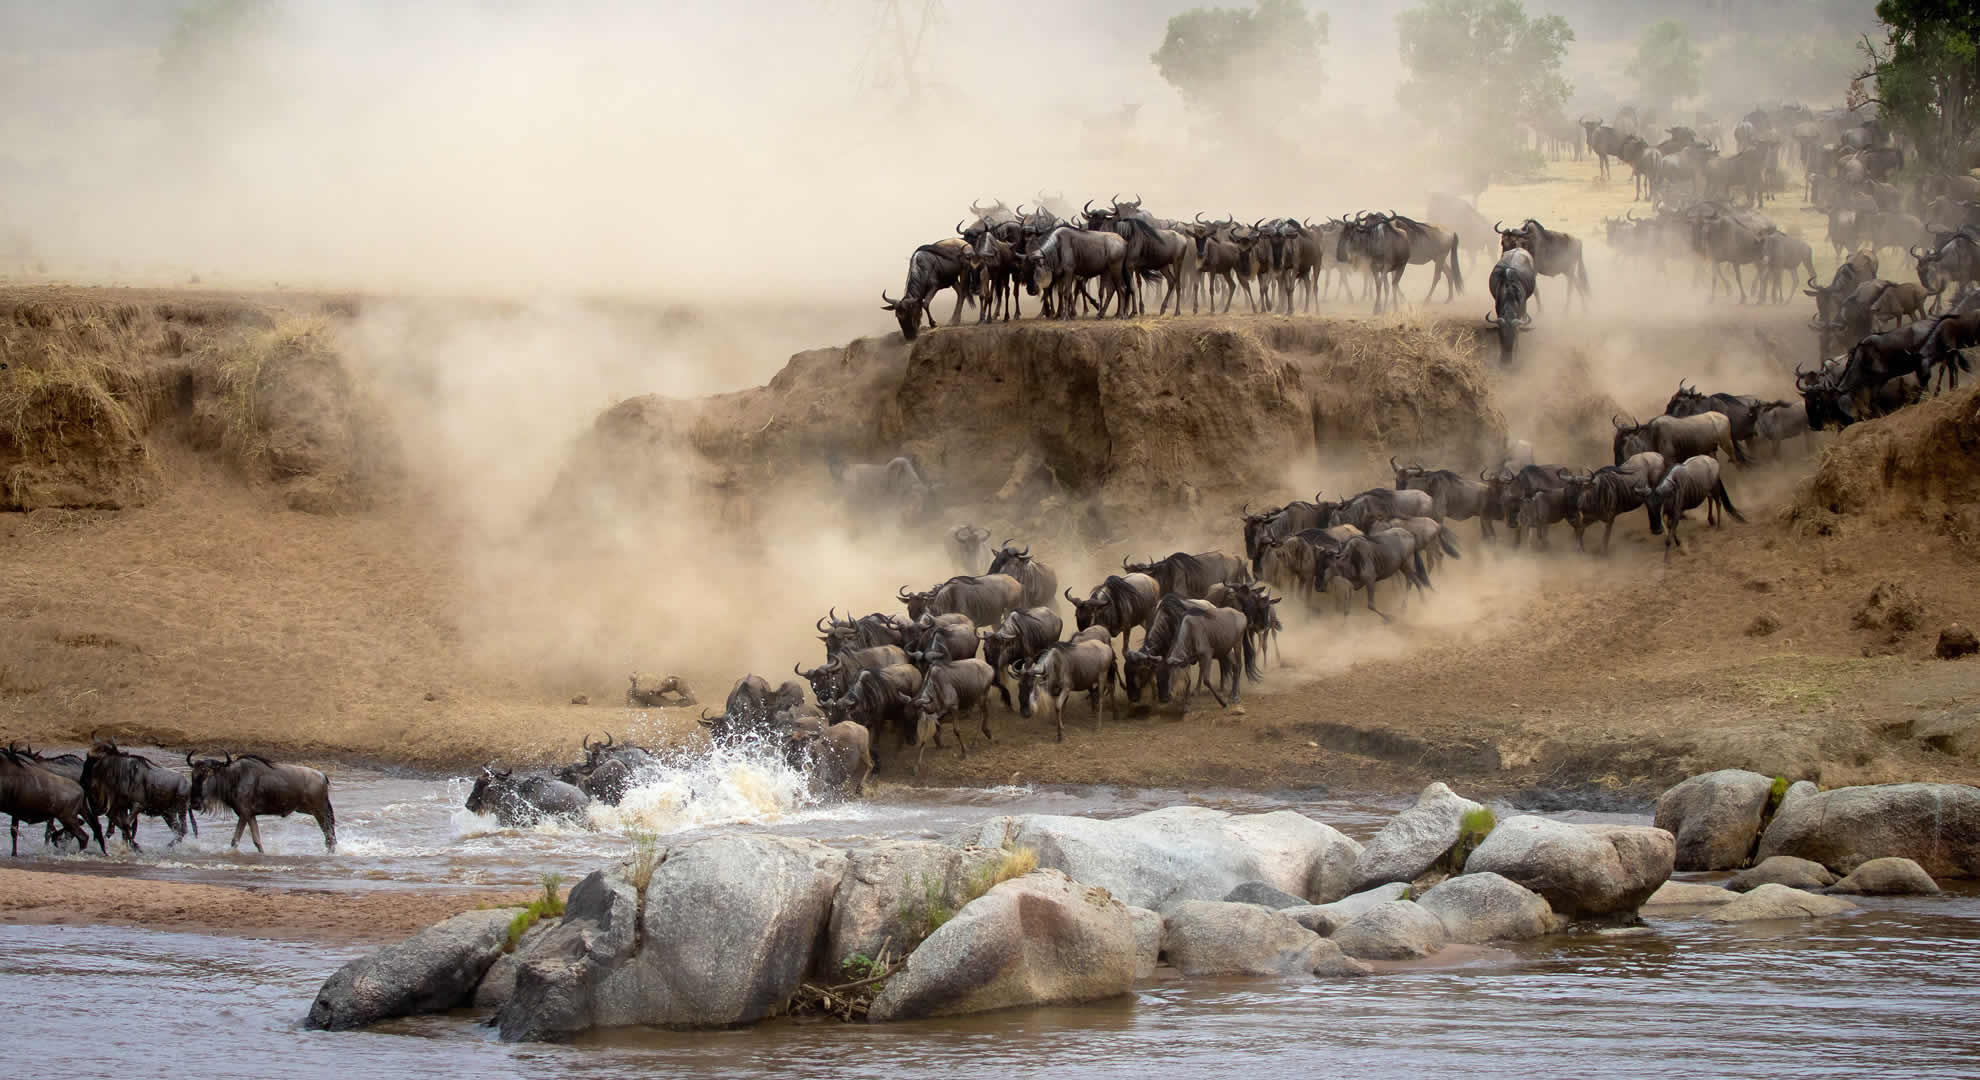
1725 501
1251 658
1457 277
1448 540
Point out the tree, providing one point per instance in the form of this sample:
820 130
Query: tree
1666 64
1478 68
1927 74
1226 60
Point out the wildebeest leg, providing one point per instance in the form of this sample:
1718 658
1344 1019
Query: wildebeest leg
1059 712
1371 602
17 837
1203 676
254 830
327 821
987 737
1607 528
240 826
955 317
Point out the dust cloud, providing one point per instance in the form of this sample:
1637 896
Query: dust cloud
552 208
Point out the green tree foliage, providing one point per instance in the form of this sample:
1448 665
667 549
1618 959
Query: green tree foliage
1480 69
1928 73
1225 60
1666 64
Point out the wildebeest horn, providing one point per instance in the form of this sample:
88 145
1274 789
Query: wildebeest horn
1088 208
609 740
1124 562
820 624
903 594
1019 211
891 304
704 720
796 670
1617 420
189 759
1499 226
1392 464
1199 218
1491 319
1069 596
1026 553
959 229
585 742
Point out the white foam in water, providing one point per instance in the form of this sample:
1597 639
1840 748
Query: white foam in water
728 785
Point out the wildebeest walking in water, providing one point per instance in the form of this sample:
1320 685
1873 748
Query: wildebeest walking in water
1685 486
523 802
251 786
124 786
36 795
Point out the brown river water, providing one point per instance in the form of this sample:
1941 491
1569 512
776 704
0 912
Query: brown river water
1892 990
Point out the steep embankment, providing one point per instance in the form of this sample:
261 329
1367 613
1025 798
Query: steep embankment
208 609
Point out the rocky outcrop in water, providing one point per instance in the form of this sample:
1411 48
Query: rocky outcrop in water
1476 908
1583 871
1782 870
1687 895
1042 939
1411 842
1327 918
1715 818
1165 857
1211 937
1936 826
1779 902
1887 877
1397 930
887 891
434 970
724 932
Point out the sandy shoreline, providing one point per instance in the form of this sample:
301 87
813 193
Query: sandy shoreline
34 897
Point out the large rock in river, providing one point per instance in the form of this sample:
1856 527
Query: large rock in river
1778 902
1715 817
1324 919
1412 841
1211 937
883 897
1782 870
1476 908
1936 826
432 971
1397 930
1164 857
1582 871
726 929
1887 877
1041 939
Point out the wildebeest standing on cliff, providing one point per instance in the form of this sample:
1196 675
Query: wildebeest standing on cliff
251 786
1041 584
1685 486
932 268
1555 254
35 795
1677 438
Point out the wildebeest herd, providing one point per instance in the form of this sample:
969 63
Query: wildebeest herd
108 789
1102 258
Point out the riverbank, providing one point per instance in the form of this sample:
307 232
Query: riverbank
40 898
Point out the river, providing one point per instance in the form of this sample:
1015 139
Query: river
1893 990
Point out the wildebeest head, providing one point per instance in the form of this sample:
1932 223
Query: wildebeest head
1085 611
490 788
907 311
1685 397
1629 438
209 780
1010 558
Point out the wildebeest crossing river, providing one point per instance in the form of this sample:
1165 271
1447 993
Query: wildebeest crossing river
1889 989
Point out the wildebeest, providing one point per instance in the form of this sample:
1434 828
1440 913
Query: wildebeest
838 757
1085 664
931 268
1021 636
869 631
123 786
36 795
1611 491
1069 257
985 599
521 803
1040 583
1741 410
1280 522
1293 562
1364 561
251 786
752 707
899 486
1781 258
1260 610
1686 486
969 548
609 770
1780 421
1191 575
1852 272
1219 635
1365 509
1677 437
69 766
1383 248
669 692
1117 605
1946 348
949 689
953 633
1452 497
1555 254
1141 666
1879 358
1511 284
1433 538
879 700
